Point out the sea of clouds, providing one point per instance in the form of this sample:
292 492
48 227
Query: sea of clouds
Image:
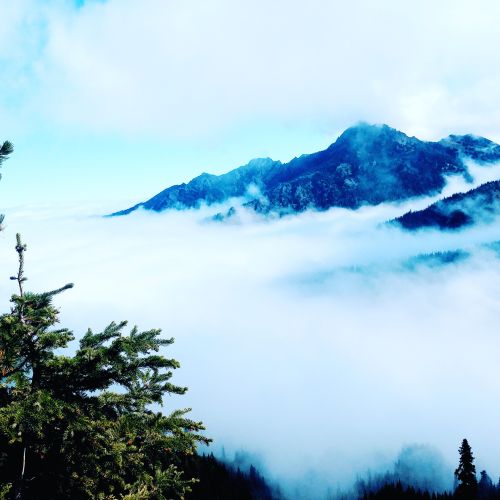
306 341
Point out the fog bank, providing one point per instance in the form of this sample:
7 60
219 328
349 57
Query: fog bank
306 340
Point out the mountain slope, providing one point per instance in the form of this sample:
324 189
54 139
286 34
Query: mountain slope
477 205
367 164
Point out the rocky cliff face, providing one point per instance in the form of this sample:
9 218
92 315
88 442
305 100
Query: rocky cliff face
367 164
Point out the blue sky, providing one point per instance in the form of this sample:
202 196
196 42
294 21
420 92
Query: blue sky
117 99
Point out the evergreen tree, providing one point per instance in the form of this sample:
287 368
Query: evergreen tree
222 481
485 487
82 426
6 149
466 473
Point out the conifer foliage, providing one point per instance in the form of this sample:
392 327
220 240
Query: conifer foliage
466 473
5 150
82 425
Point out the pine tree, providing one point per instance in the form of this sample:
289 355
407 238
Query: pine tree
466 473
83 425
485 487
6 149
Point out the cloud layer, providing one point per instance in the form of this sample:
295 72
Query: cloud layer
305 340
192 69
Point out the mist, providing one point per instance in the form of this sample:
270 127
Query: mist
305 341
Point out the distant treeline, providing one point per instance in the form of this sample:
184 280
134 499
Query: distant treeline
459 210
220 481
467 486
399 491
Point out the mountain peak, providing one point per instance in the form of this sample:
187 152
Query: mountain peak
368 164
364 136
260 162
476 147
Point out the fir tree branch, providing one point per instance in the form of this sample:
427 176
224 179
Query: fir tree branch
20 278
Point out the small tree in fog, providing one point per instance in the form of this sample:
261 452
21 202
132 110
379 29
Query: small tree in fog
486 488
466 473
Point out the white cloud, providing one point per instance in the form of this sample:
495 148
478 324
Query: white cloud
301 339
184 69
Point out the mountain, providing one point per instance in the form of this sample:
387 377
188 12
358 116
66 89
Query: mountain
477 205
367 164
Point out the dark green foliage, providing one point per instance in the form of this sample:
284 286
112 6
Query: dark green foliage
486 490
82 426
466 473
219 481
6 149
393 491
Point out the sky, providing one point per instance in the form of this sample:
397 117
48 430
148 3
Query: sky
114 100
306 341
